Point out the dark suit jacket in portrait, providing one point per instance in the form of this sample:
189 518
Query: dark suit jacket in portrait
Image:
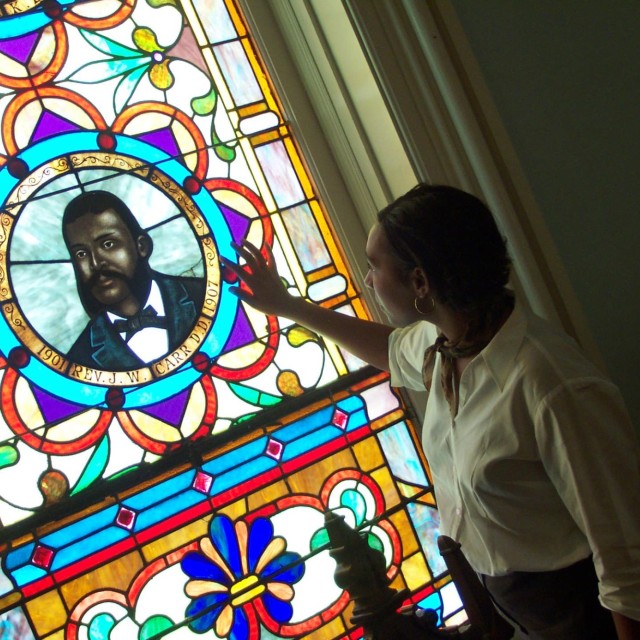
100 346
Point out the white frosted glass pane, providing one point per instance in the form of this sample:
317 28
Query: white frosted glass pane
238 73
325 289
401 454
306 237
280 174
215 20
261 122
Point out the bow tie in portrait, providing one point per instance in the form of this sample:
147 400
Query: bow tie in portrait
147 317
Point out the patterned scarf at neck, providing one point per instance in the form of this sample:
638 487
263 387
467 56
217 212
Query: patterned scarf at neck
477 336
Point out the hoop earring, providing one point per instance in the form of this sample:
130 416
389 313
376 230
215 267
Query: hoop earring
420 311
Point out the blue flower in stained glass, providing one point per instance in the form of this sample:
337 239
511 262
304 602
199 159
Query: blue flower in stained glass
236 565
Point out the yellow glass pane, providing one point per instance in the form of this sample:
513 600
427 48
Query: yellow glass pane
385 481
236 509
333 629
398 582
115 575
174 540
9 601
368 454
310 480
415 571
408 491
47 612
401 522
267 495
429 499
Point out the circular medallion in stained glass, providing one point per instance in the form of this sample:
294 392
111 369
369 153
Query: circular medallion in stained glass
109 269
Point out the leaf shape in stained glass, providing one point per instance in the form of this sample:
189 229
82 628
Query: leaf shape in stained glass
161 3
153 626
95 72
160 75
96 466
242 419
319 539
198 567
355 502
126 87
374 542
8 456
204 105
100 627
145 39
279 610
259 538
299 335
284 568
223 151
108 46
124 471
241 628
289 384
223 537
205 611
253 396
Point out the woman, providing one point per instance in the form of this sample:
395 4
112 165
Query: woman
534 459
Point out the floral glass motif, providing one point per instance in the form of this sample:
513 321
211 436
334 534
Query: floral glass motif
179 487
235 566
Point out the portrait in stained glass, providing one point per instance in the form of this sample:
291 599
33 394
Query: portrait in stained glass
167 453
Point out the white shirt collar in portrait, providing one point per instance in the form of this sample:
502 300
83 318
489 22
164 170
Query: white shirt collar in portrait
149 343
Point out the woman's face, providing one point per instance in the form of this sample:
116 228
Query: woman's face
389 279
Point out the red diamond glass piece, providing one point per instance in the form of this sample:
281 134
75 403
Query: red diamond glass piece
126 518
202 482
42 557
340 419
274 449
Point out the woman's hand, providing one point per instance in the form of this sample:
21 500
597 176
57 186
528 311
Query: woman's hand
266 290
267 293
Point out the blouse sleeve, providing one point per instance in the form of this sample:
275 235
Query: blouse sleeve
590 451
406 353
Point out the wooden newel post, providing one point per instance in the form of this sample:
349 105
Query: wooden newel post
362 572
482 614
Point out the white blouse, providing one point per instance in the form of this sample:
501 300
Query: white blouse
541 466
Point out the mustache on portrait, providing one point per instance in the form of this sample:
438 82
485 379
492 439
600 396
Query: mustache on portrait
107 273
139 284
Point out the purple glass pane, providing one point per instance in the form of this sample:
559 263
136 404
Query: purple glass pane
242 333
52 408
20 49
163 139
238 223
50 124
170 410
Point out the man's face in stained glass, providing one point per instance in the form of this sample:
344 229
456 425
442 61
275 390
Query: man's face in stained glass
110 263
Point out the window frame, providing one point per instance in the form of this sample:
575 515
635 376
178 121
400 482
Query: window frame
429 106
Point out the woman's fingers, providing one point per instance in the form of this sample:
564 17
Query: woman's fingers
244 252
263 288
270 261
233 267
253 257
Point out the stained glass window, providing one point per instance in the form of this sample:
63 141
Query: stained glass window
167 474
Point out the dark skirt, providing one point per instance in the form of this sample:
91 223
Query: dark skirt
553 605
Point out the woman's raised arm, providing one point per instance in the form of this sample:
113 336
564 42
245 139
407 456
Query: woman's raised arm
365 339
